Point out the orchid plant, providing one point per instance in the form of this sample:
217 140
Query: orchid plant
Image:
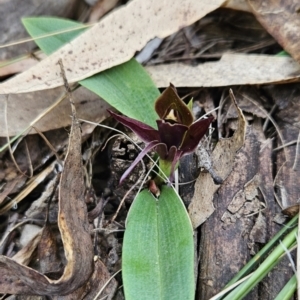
158 246
177 134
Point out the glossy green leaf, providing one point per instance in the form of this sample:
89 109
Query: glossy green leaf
158 249
127 87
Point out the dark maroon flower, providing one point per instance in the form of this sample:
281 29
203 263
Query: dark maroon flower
177 134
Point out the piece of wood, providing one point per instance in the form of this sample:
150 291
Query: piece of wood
223 250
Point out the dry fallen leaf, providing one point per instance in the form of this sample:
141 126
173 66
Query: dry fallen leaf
232 69
237 5
222 159
102 46
10 185
48 257
100 8
90 290
23 109
281 20
73 225
29 187
10 67
25 254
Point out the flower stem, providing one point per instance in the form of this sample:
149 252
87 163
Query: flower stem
165 170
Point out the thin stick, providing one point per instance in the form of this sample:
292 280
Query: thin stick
105 285
68 89
297 153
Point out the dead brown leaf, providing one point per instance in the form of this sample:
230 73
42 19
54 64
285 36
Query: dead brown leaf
222 159
24 256
91 289
48 252
10 67
237 5
23 110
29 187
232 69
281 20
102 46
73 225
101 8
10 186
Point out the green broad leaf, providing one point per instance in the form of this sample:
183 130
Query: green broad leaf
39 27
127 87
158 249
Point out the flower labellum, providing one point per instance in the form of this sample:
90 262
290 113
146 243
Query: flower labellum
177 134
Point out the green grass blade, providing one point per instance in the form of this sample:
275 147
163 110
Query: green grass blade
158 249
256 259
270 262
289 289
127 87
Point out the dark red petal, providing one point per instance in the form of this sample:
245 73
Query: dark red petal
139 158
171 134
169 100
194 134
145 132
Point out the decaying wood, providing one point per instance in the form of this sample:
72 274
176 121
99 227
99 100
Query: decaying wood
242 222
222 258
222 159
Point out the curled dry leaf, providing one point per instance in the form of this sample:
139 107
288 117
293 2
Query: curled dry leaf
92 289
48 252
16 278
239 69
281 20
102 46
222 160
